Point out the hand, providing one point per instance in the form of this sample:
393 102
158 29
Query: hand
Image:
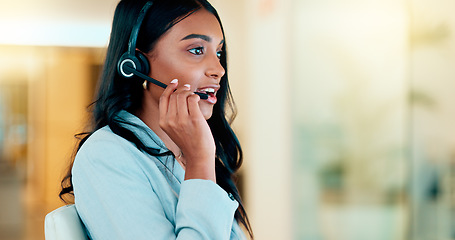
183 122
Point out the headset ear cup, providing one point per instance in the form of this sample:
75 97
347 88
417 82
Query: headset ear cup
143 62
127 60
139 62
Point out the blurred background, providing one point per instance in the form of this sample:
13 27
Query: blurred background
345 112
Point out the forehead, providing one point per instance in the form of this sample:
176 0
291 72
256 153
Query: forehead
200 22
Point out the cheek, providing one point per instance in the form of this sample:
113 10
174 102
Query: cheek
166 69
163 69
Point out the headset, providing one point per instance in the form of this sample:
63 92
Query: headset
133 59
134 62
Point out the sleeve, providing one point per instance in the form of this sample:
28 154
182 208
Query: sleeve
204 198
115 200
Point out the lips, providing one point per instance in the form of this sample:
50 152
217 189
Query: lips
210 91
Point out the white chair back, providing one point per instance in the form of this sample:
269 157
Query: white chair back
64 224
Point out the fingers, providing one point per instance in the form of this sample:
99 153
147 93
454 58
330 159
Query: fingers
193 107
164 99
175 104
181 96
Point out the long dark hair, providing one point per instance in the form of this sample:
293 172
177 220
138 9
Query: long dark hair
115 94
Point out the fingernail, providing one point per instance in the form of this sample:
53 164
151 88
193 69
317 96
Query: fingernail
175 81
187 85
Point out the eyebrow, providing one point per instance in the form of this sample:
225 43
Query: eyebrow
200 36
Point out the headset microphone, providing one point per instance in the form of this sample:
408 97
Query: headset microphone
158 83
134 62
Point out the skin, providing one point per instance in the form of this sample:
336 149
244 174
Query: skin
189 52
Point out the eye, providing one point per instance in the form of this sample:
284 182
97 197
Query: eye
197 50
219 54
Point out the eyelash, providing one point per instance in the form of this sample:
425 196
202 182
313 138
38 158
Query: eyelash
197 50
200 51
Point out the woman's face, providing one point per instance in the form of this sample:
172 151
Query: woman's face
190 52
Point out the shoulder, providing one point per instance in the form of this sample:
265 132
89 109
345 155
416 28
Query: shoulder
103 135
104 138
109 156
105 147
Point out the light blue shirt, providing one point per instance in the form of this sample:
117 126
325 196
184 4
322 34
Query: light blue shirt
123 193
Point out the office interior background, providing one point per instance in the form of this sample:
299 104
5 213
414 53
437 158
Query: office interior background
345 112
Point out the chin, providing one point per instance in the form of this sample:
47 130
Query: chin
207 116
207 113
206 110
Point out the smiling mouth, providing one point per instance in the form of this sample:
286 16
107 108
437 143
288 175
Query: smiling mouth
209 91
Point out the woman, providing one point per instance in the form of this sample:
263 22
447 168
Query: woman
159 163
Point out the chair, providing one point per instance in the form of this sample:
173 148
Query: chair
64 224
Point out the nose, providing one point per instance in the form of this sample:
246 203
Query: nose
215 69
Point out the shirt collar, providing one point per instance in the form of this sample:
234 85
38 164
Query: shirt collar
142 131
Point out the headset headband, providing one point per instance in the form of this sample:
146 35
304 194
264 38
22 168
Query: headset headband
137 26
